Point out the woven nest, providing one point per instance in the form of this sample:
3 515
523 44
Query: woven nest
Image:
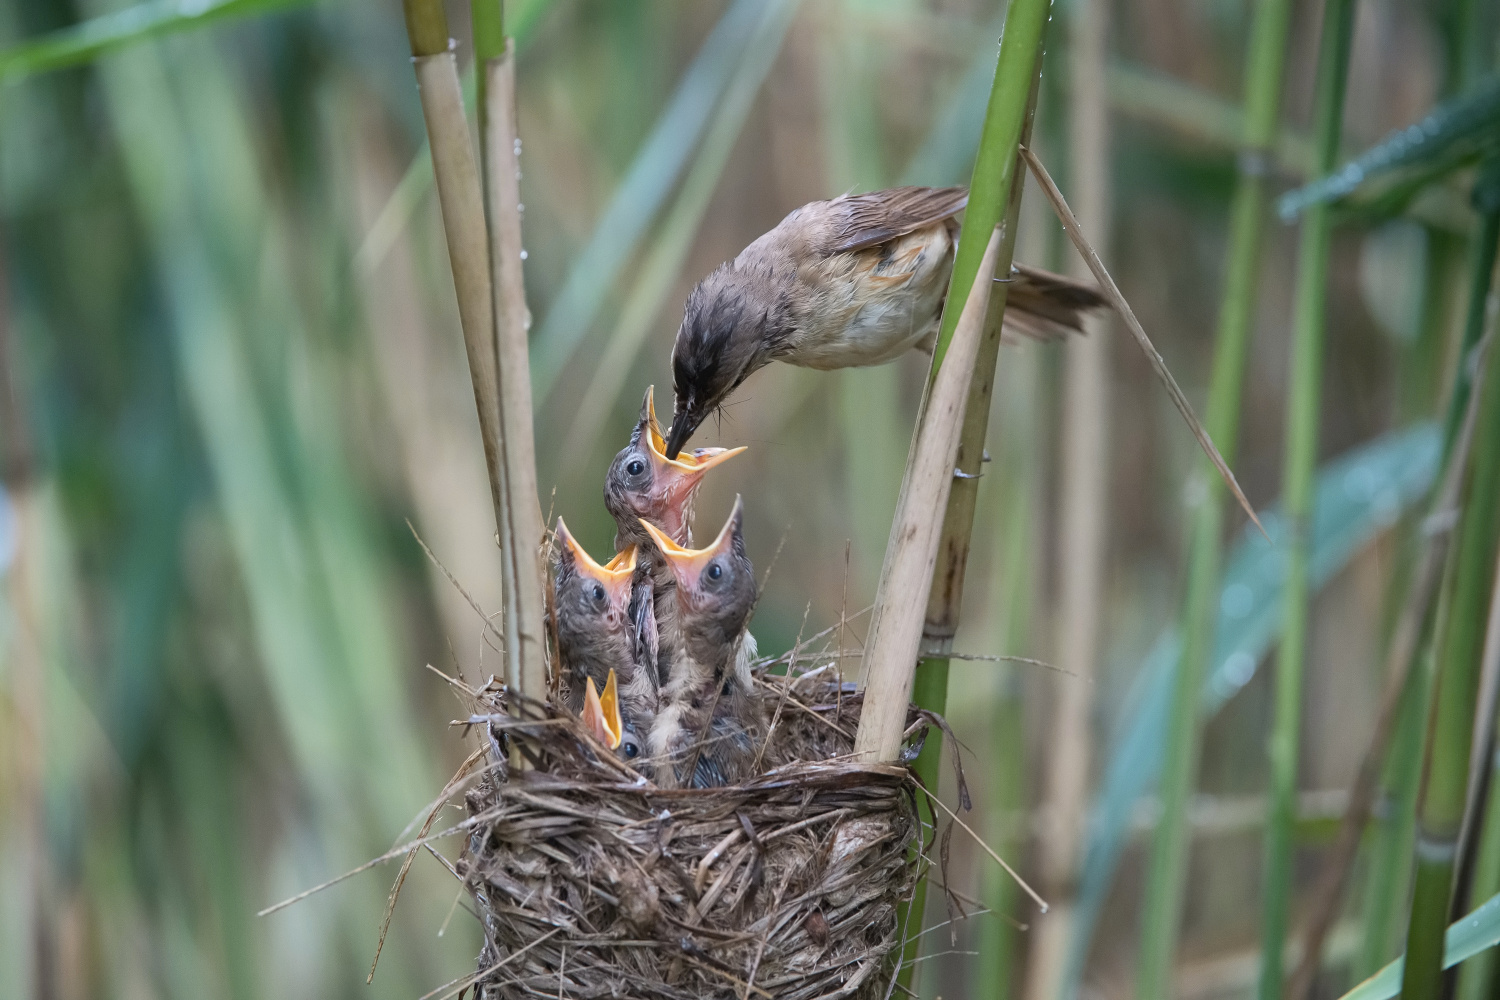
590 881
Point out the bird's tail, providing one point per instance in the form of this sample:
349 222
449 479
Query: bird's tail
1042 305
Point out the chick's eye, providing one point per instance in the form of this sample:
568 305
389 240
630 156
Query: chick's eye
598 592
631 751
715 571
636 467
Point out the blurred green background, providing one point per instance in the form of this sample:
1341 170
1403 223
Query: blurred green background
233 375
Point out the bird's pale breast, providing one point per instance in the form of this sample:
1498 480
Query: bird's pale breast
870 306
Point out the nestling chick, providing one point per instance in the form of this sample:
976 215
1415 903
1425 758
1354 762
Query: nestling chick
596 642
704 732
855 281
644 485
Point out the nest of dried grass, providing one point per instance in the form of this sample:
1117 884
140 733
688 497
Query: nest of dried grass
590 881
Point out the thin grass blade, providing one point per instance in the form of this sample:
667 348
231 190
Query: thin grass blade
640 196
1159 366
90 39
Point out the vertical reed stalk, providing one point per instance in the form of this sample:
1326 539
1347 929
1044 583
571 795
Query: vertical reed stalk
1397 719
1477 977
906 579
1460 642
461 201
997 182
1297 488
1082 526
500 149
1015 579
994 178
1169 854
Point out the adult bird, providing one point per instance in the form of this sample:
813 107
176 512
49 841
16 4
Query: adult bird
710 714
596 645
855 281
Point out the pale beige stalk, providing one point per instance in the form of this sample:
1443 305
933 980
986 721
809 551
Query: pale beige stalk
461 199
906 579
523 556
1153 356
1084 489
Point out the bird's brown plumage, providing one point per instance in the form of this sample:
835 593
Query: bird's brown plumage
854 281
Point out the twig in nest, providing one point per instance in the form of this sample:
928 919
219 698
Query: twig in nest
1040 902
1112 292
489 625
464 982
981 657
786 688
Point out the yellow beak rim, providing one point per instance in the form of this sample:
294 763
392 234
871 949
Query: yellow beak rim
601 713
615 575
693 464
687 563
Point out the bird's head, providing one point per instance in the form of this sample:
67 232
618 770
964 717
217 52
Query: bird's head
592 601
643 484
715 585
726 335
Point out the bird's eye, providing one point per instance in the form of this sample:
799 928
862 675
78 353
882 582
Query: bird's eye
631 751
715 571
598 592
636 467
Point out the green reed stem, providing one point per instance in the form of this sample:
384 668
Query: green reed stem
1477 977
995 186
1165 884
1460 641
1300 462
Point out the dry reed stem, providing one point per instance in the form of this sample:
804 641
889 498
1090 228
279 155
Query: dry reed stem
461 202
1082 530
1322 912
523 557
906 580
1159 366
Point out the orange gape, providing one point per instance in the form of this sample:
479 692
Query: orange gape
601 713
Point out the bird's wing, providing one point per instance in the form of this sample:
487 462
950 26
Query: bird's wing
867 220
1046 306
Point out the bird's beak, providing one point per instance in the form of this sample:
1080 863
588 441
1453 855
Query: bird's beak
688 564
601 713
614 575
682 429
675 479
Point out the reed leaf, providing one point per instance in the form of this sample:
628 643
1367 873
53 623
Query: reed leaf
1453 133
90 39
1358 495
663 264
635 204
1464 939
